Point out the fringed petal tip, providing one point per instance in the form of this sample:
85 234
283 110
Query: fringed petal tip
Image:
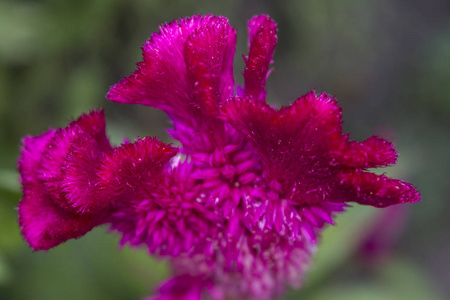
375 190
187 65
262 41
58 174
371 153
291 137
67 167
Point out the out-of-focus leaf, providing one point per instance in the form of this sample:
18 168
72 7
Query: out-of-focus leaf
397 280
89 268
354 292
20 26
407 281
435 68
339 242
10 236
4 271
85 88
9 180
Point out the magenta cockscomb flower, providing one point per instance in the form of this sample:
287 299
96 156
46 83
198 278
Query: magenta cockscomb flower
238 208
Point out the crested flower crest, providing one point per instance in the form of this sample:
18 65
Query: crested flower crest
237 209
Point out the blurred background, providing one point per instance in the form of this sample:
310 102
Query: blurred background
386 61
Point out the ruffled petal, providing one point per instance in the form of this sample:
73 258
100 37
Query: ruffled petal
31 156
58 172
292 142
188 58
45 225
209 53
262 41
72 153
303 149
371 153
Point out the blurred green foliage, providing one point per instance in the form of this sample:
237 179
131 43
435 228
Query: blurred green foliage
387 62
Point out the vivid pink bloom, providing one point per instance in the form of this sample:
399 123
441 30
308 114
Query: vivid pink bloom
239 209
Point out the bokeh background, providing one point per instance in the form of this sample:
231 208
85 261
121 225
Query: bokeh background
386 61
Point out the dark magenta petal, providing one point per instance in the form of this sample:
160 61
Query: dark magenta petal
133 167
292 142
45 225
169 78
375 190
303 149
371 153
262 41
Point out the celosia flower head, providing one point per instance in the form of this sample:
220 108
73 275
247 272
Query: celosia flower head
238 208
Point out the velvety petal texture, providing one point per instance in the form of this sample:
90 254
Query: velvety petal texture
187 68
303 149
239 207
58 178
262 41
133 168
